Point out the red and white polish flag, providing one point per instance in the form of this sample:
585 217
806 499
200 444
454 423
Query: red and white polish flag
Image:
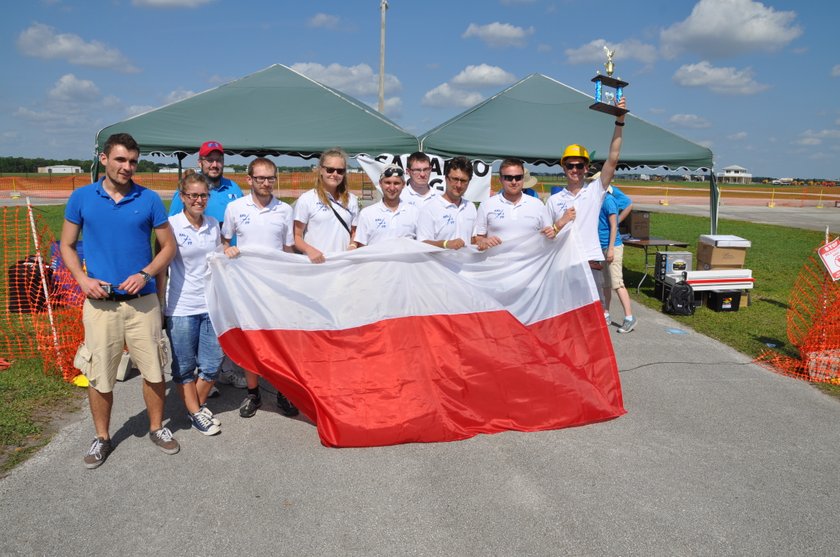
403 342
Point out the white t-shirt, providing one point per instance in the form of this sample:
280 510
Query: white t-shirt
411 197
185 288
377 223
499 217
323 231
269 226
587 204
443 220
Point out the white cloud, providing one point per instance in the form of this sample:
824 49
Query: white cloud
816 137
359 80
722 28
177 95
483 75
593 52
393 107
807 141
719 80
170 3
739 136
42 41
324 21
72 89
689 121
136 109
835 71
446 96
499 34
542 47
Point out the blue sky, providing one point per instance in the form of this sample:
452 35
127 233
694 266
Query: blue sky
755 81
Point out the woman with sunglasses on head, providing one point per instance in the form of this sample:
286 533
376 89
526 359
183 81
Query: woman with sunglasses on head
196 354
580 202
326 216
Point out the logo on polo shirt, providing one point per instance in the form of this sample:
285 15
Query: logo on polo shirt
448 219
245 218
380 223
497 214
184 239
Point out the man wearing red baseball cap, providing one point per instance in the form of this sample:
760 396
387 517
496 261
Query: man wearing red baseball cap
211 161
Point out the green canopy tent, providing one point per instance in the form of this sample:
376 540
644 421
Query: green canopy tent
535 118
276 111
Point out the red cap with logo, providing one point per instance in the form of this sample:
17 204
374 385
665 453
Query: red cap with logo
209 146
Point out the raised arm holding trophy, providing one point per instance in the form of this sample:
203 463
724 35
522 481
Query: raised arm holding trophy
607 100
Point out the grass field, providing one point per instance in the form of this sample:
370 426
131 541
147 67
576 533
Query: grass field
29 399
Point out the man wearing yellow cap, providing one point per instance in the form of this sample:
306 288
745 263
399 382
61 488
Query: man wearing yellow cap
580 203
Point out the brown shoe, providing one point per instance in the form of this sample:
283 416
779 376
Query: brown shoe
98 452
164 440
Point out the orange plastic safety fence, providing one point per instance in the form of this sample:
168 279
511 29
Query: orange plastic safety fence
40 302
813 327
289 184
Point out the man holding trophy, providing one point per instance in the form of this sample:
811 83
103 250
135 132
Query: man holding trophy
584 200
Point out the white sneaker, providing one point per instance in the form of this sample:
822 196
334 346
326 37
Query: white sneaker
206 411
231 377
607 318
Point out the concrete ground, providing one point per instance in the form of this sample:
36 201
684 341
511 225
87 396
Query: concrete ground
716 456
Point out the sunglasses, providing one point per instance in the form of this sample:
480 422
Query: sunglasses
331 170
388 172
513 177
195 196
574 165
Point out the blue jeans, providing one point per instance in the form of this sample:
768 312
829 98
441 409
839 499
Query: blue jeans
194 345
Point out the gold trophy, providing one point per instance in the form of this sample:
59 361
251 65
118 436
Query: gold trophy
605 98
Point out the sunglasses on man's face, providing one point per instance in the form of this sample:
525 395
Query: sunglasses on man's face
331 170
574 165
512 177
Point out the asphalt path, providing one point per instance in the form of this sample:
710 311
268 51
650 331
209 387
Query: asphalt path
716 456
809 218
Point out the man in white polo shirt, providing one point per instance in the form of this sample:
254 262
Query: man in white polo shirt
448 220
418 192
583 201
511 214
391 217
259 219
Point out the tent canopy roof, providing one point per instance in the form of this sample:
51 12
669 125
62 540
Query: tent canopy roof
276 111
535 118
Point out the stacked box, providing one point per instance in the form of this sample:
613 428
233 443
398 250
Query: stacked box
721 252
637 224
724 300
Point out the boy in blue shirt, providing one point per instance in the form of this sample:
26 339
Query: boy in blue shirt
614 255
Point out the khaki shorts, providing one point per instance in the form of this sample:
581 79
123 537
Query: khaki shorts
110 325
613 273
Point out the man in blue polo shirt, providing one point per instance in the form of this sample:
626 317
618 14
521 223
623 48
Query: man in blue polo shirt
116 218
211 161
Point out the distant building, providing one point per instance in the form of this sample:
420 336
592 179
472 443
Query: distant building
59 169
734 175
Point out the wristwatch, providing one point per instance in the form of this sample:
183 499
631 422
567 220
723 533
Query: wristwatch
146 276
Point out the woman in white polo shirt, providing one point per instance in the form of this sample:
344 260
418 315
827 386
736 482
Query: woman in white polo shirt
326 216
195 346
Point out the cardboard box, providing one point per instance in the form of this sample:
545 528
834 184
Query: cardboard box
724 300
714 256
637 224
703 266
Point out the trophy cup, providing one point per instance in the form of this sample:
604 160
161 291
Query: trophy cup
606 99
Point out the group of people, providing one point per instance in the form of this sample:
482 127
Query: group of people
130 290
